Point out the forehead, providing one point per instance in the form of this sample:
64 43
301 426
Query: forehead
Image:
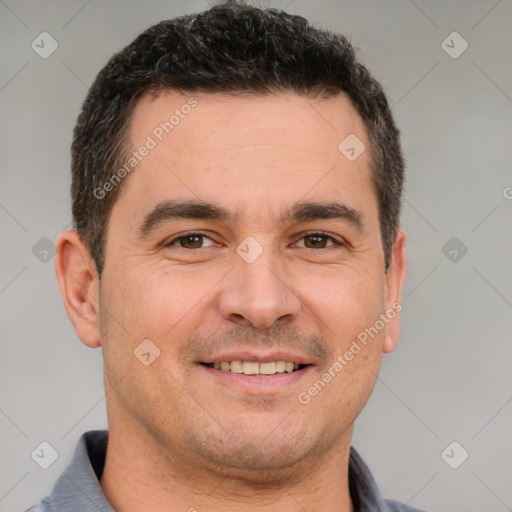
219 146
221 121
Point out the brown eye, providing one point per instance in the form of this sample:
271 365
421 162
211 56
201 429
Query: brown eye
315 241
189 241
318 241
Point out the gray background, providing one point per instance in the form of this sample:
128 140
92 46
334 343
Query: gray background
449 380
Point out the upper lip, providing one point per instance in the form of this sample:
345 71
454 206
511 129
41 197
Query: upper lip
260 357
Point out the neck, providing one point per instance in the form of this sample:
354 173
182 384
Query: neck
141 475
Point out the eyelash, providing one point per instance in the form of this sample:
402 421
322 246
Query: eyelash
310 233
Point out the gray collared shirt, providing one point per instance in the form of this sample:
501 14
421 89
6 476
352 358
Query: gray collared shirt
78 488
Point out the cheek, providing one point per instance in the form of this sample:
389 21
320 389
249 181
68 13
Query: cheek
162 302
159 303
347 300
346 304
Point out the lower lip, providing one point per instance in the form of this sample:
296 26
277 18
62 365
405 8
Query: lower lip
257 384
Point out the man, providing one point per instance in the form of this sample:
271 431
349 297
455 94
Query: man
238 258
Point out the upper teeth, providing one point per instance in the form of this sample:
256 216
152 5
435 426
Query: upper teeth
255 368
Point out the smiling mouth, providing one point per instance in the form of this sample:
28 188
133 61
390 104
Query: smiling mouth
256 369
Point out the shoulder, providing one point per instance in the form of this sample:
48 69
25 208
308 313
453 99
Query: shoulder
78 486
365 491
395 506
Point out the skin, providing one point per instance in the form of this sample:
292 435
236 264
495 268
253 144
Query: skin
181 439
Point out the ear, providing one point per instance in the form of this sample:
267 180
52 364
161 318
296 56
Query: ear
395 279
79 286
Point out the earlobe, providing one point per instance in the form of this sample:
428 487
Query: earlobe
395 279
79 286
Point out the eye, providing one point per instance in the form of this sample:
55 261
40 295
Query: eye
318 240
194 240
191 240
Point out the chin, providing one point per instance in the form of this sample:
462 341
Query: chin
258 462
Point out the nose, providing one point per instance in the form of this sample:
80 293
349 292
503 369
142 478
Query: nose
258 293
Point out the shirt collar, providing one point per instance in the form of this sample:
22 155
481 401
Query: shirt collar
364 492
78 488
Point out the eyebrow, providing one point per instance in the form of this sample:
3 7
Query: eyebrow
300 212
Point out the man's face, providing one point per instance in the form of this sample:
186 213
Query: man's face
257 285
